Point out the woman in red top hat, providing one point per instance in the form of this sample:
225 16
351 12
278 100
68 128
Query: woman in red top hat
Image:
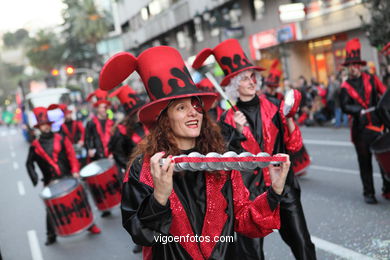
257 124
156 203
359 93
216 110
128 133
55 157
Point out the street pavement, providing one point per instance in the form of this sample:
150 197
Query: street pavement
342 226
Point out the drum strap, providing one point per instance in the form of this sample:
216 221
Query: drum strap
51 160
69 134
104 136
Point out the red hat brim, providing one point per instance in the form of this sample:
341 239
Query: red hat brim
149 113
362 62
97 103
227 79
271 85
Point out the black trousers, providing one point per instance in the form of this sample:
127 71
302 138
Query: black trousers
293 231
50 231
362 142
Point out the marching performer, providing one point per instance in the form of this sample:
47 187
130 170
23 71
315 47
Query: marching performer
98 131
73 129
55 157
128 133
216 110
359 94
157 202
272 82
257 125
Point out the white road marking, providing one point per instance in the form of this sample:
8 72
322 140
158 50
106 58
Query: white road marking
21 189
3 133
327 142
13 154
338 250
16 165
340 170
34 245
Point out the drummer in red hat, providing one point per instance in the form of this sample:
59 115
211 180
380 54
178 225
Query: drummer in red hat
359 96
191 207
272 82
128 133
216 110
256 124
55 157
73 129
98 130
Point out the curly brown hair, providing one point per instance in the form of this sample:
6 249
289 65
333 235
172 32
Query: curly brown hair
161 138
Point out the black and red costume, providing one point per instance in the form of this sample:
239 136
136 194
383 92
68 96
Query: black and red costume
358 94
73 129
272 81
54 155
126 137
98 131
267 132
201 203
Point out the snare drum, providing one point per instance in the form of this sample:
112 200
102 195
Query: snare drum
102 179
381 148
67 205
300 161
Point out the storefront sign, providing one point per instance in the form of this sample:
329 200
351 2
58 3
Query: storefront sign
272 37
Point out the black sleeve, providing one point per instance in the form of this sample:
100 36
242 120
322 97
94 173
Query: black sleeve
142 216
348 105
232 137
30 166
117 147
273 198
89 142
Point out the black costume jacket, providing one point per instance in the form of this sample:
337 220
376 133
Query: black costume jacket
74 130
267 132
362 93
122 144
201 204
54 155
97 136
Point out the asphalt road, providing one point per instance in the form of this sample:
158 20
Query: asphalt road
341 224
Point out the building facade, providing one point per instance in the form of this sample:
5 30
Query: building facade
312 46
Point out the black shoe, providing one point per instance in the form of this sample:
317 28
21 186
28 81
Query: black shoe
105 214
370 199
137 249
50 240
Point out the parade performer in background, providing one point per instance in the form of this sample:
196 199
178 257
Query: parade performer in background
55 157
359 93
257 125
272 82
98 130
216 110
128 133
156 201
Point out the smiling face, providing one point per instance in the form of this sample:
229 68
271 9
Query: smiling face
247 85
185 118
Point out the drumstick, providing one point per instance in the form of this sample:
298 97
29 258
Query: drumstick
220 90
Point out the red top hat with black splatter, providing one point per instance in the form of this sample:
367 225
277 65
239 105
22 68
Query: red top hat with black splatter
100 96
41 116
230 57
63 107
274 75
128 98
386 49
164 75
353 50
